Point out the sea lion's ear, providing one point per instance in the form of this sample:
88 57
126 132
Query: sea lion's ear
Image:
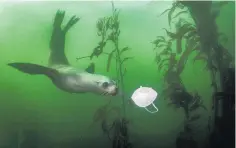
91 68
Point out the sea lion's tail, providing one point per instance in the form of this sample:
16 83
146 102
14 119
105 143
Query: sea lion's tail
57 42
34 69
73 20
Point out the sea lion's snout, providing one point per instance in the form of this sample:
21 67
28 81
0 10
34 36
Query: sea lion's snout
112 90
106 86
115 92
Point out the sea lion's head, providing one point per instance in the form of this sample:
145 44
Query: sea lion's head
105 85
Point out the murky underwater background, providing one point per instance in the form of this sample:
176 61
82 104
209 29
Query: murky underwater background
62 119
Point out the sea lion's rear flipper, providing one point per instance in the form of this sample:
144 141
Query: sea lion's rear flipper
57 43
34 69
91 68
73 20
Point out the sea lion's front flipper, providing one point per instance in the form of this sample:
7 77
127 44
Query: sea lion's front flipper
91 68
34 69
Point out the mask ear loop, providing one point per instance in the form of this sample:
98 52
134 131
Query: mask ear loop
152 111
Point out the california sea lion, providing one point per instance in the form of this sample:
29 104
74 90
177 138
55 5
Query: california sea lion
64 76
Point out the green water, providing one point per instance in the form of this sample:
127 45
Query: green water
33 102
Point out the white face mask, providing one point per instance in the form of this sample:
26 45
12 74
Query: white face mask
144 97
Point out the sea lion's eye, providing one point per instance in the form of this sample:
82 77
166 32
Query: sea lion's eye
105 84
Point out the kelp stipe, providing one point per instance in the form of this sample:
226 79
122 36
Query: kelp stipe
109 31
167 61
218 57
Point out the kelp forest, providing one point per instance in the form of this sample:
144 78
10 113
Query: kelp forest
187 40
197 35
